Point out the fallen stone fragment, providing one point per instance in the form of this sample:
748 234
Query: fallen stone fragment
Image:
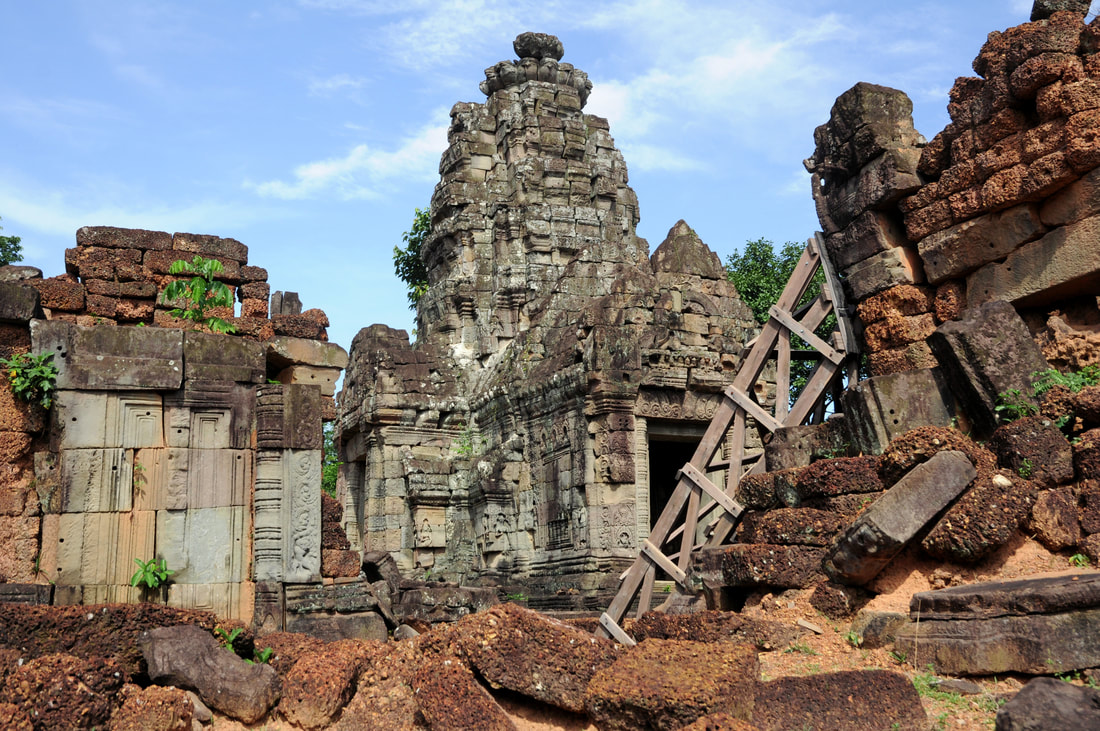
921 444
666 684
1055 520
62 691
318 686
452 700
153 709
189 657
1046 704
1035 449
877 629
388 704
983 519
714 626
764 564
791 526
534 655
882 531
850 700
837 601
1019 597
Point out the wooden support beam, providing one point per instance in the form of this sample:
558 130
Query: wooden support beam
725 501
612 629
654 554
645 596
754 409
798 329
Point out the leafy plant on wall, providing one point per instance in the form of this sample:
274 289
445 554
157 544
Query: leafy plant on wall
201 293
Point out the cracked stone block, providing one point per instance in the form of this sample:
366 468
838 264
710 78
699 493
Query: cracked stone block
880 408
894 519
223 358
123 358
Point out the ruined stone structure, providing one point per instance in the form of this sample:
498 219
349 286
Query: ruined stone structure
559 373
202 450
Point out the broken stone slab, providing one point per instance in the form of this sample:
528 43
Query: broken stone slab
877 629
18 302
451 699
1055 520
987 353
982 520
1063 264
880 408
762 564
882 531
531 654
284 351
332 626
1034 448
1069 592
967 246
111 358
189 657
882 271
1035 643
1045 704
798 446
222 358
435 603
849 699
670 683
318 687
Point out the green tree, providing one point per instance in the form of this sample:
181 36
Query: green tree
200 294
10 250
760 274
407 262
330 465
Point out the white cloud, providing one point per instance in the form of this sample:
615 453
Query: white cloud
359 173
653 158
336 84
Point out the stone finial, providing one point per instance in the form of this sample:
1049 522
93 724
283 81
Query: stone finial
538 45
683 252
1043 9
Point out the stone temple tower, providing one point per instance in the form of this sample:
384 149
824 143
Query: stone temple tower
560 374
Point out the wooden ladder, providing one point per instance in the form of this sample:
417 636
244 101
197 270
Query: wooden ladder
721 512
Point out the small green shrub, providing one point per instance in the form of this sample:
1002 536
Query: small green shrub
1013 404
1075 381
263 656
1026 469
228 638
1079 560
32 377
152 573
852 638
201 292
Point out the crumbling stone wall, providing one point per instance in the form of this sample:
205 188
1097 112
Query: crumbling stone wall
203 450
510 443
1001 204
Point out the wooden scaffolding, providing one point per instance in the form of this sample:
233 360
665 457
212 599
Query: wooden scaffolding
696 500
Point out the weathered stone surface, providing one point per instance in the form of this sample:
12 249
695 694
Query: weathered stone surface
189 657
1049 703
332 626
538 657
288 417
881 408
1035 643
318 686
1073 203
983 520
714 626
760 564
323 378
873 232
902 300
877 629
222 358
451 699
1034 448
837 601
435 603
60 690
920 444
18 302
153 709
765 490
284 351
988 352
882 271
18 273
683 252
1053 594
791 527
851 699
287 515
962 248
209 246
670 683
798 446
126 358
1043 9
538 45
60 294
1054 519
339 563
123 238
884 529
387 704
1086 455
1062 264
840 476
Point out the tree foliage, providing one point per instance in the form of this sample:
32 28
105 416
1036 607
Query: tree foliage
407 263
760 274
330 465
200 294
10 249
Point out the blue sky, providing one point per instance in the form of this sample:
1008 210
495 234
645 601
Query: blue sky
310 129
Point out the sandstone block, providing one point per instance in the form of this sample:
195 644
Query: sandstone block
926 220
886 527
1077 201
1055 520
189 657
1050 703
124 358
896 331
882 271
18 302
871 233
883 181
969 245
222 358
883 407
798 446
912 357
670 683
123 238
323 378
87 420
985 354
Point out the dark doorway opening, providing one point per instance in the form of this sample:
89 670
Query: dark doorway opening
667 455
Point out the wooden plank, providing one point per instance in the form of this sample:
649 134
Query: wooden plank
715 433
782 377
835 291
691 520
726 523
754 409
612 629
725 501
654 554
737 452
798 329
815 388
645 596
